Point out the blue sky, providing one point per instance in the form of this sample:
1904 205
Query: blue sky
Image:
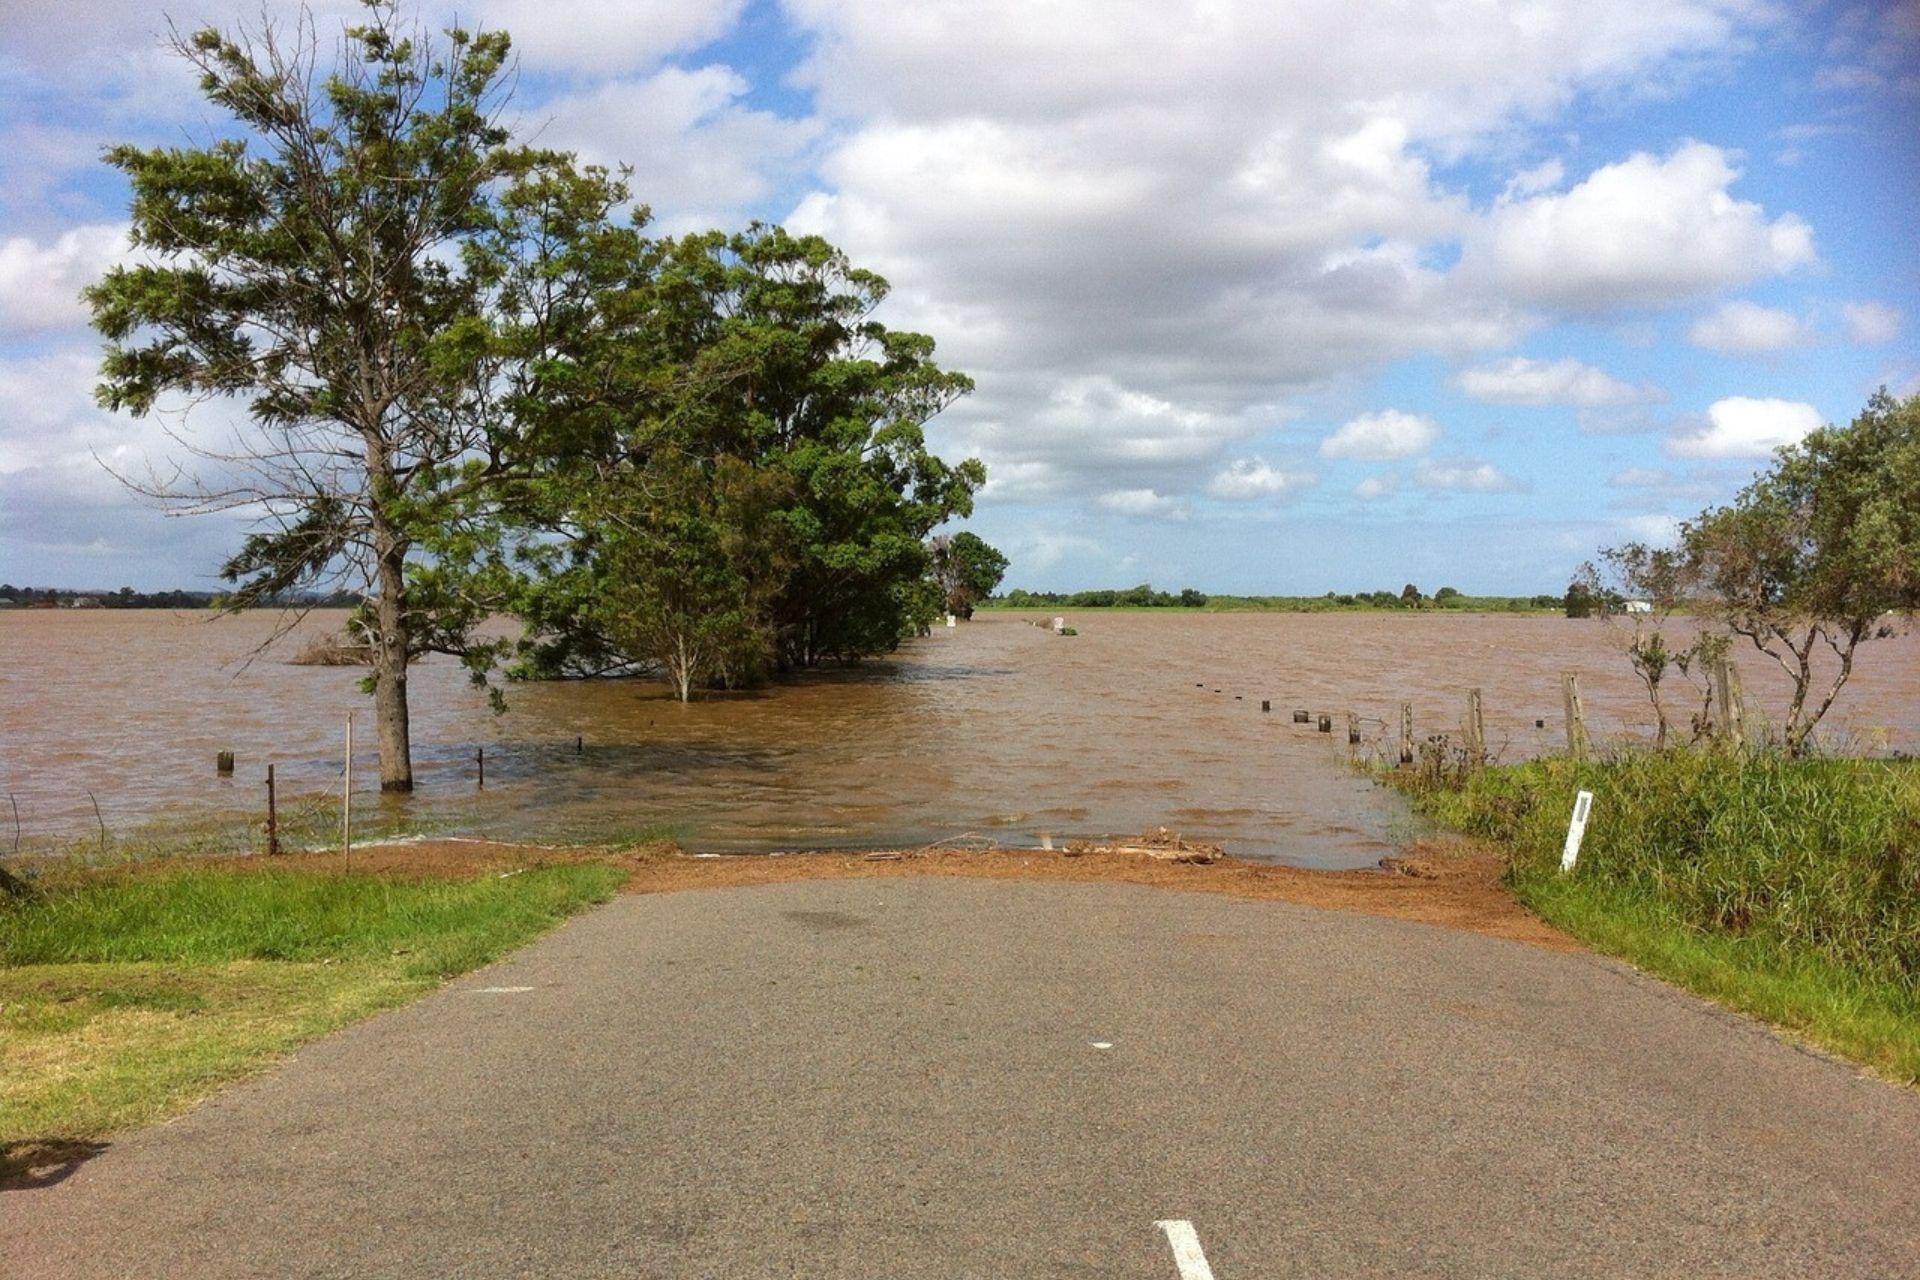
1281 297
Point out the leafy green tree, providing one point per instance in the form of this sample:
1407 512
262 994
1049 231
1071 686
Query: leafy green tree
967 571
311 263
689 586
1656 580
759 348
1192 599
1821 551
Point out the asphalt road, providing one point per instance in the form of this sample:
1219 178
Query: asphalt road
953 1078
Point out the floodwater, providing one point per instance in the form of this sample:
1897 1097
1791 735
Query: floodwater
994 730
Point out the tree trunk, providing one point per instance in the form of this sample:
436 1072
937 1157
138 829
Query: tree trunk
390 664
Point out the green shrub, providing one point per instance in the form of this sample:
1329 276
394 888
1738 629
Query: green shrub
1818 856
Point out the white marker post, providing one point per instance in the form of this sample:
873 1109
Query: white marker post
1576 831
346 796
1187 1254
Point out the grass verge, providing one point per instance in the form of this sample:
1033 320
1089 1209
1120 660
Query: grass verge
126 996
1786 889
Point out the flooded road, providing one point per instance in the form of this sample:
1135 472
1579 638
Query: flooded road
995 730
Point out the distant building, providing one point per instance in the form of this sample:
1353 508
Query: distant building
86 602
1638 606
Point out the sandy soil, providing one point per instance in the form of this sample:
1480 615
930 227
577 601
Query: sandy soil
1451 884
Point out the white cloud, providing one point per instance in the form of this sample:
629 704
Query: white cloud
1745 427
1655 530
40 283
1647 231
1011 172
698 155
1145 503
1374 488
1871 324
1550 382
606 36
1382 437
1464 475
1742 328
1248 478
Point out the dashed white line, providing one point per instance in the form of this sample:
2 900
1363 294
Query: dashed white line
1187 1254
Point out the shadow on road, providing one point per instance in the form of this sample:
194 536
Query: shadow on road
30 1165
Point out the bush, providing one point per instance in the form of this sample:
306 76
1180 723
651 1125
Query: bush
1815 855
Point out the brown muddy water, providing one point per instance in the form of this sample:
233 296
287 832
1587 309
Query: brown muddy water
994 730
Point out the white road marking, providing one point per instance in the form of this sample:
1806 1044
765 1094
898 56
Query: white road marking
500 991
1101 1044
1186 1249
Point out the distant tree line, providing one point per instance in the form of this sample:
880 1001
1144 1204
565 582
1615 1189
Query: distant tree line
128 598
1140 597
1144 596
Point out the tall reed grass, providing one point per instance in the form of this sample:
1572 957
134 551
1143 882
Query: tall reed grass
1819 855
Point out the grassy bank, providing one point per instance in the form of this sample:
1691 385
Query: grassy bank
1788 889
125 996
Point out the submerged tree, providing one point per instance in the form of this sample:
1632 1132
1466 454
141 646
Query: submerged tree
967 571
1638 589
1821 551
749 361
314 269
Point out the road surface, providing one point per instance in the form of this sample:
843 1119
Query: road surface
946 1078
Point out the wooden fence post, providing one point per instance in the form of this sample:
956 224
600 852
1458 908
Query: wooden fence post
1576 716
1476 729
273 817
1353 730
1406 733
223 763
1726 691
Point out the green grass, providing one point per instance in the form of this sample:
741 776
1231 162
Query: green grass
125 998
308 820
1788 889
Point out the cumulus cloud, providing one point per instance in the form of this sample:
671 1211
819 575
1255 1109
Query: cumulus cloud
1245 479
1124 189
1144 503
40 283
589 36
699 156
1550 382
1464 475
1871 324
1742 328
1373 488
1382 437
1653 529
1647 231
1745 427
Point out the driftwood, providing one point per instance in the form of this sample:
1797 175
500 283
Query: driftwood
332 651
1159 844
